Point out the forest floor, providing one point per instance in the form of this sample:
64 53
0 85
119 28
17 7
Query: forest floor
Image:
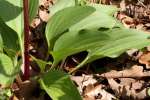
122 78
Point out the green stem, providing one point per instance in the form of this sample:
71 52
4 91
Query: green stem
54 65
80 65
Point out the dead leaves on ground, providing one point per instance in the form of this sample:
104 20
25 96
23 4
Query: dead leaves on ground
128 84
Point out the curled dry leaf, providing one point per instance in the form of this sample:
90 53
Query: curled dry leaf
134 72
135 53
35 22
123 5
44 15
83 81
127 21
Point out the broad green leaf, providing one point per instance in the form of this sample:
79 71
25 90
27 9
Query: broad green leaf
1 44
33 8
11 13
9 10
9 37
107 9
6 72
75 42
63 19
41 63
102 17
59 86
99 44
13 8
121 41
61 4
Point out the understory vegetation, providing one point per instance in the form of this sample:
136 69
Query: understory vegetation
75 27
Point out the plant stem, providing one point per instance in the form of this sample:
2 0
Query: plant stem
54 65
26 40
80 65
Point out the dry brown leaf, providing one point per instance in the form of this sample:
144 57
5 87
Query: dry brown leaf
123 5
127 21
88 98
127 92
83 81
26 89
145 59
137 85
46 3
134 72
98 93
44 15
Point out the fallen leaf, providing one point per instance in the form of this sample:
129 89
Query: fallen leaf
145 59
134 72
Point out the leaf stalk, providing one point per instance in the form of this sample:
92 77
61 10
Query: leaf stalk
80 65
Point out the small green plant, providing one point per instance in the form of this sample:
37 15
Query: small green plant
73 28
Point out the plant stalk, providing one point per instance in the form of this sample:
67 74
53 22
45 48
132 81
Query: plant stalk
26 40
80 65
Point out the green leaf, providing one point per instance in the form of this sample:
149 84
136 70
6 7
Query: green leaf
75 42
148 91
13 8
63 19
107 9
11 13
99 44
41 63
82 2
8 10
59 86
33 8
9 37
1 44
102 17
7 70
121 41
61 4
